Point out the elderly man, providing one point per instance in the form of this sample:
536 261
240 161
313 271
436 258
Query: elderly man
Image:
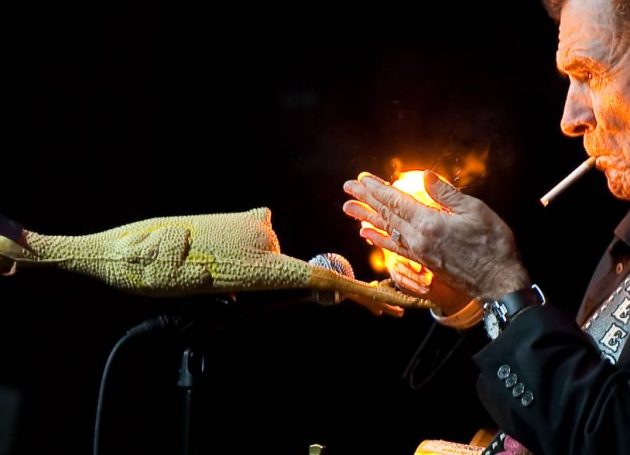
554 385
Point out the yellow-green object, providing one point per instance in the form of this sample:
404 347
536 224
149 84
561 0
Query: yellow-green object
184 255
316 449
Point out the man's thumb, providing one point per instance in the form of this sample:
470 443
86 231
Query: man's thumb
440 190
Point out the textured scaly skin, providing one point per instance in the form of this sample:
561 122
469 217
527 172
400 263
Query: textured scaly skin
173 256
178 255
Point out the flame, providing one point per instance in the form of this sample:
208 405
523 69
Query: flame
377 260
460 170
411 182
463 169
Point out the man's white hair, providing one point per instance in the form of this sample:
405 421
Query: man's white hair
620 7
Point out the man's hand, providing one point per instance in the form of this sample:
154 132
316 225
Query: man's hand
422 283
468 247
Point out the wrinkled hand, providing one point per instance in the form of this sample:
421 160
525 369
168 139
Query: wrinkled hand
423 283
415 280
468 247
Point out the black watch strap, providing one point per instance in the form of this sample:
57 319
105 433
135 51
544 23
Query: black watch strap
499 313
517 301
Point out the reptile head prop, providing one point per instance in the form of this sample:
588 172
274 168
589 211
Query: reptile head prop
184 255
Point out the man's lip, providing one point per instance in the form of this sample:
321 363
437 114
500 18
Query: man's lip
599 163
606 163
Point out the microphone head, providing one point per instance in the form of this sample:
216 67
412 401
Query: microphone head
333 261
336 263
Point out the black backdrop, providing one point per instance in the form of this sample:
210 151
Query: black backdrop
116 116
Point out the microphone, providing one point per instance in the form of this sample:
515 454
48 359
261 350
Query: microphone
336 263
333 261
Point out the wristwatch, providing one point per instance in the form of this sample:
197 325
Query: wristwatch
497 314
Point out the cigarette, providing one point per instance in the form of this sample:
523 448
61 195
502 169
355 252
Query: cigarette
568 181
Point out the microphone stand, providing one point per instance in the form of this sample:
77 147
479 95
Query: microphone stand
191 370
193 366
194 360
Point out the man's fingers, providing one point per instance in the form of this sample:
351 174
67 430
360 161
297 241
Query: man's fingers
355 188
377 308
408 283
381 215
390 199
441 191
383 198
368 174
378 232
362 212
424 276
383 241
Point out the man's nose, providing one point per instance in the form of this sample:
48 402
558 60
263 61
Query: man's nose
578 117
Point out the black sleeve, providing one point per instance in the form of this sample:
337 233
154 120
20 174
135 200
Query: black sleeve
440 347
569 399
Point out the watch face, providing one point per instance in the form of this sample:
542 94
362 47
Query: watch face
491 322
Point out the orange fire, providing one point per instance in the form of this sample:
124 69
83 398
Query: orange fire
460 169
411 182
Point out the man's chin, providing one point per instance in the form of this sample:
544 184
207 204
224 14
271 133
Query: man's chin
619 184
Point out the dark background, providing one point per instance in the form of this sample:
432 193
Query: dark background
116 116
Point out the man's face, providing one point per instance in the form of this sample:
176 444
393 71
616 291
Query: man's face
595 57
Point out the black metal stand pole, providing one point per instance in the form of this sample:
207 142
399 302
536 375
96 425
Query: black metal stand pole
190 372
